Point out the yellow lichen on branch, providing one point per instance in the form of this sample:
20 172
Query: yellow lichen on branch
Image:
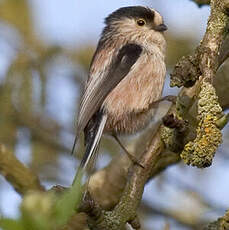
201 151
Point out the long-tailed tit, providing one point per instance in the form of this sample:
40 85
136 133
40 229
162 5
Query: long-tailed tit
126 76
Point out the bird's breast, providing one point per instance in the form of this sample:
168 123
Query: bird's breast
127 105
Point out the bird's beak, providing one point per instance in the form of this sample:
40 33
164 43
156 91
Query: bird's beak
162 27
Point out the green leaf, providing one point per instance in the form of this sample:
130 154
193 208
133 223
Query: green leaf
68 202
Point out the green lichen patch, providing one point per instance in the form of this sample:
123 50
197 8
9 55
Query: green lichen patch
167 136
201 151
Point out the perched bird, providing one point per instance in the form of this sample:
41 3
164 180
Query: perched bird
126 77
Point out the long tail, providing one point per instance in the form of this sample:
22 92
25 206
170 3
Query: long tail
93 136
93 133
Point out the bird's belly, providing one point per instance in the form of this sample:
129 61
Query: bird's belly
128 123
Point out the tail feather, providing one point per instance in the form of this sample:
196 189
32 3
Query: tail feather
93 142
93 133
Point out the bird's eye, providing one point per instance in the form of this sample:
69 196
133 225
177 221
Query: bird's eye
141 22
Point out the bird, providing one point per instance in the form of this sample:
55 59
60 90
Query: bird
126 77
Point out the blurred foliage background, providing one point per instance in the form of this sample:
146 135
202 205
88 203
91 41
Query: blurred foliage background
40 85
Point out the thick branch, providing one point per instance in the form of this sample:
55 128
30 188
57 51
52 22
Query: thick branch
209 48
125 211
112 179
211 52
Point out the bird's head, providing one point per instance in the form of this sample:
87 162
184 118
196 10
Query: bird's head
135 24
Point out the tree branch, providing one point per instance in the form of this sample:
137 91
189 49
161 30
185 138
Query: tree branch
19 176
112 179
211 52
125 210
221 224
